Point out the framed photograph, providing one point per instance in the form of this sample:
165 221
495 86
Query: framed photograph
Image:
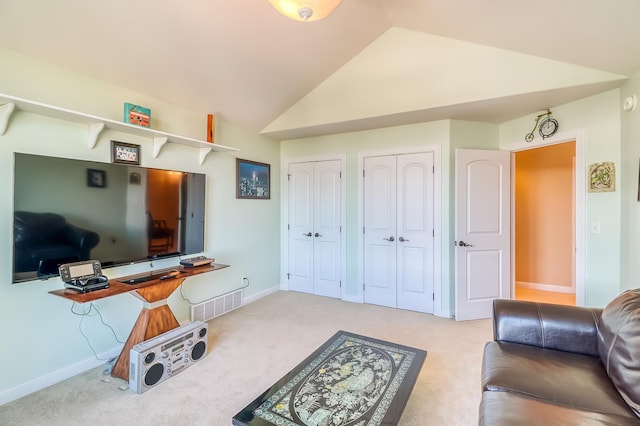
134 178
126 153
96 178
602 177
253 180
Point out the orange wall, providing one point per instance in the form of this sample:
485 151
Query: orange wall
544 215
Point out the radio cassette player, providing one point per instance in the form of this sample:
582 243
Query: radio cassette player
162 357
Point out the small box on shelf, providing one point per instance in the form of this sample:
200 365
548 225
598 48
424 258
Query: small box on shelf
136 114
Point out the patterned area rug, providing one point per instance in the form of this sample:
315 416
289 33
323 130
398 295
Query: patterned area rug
350 380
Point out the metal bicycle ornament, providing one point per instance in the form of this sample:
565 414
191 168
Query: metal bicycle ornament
548 127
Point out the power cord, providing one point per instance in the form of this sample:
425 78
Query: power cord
90 312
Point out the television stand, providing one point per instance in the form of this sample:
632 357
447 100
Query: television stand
155 317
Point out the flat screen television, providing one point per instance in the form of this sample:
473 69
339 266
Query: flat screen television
68 210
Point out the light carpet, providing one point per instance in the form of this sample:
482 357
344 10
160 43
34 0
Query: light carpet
252 347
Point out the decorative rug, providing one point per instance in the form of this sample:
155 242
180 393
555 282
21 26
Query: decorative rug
350 380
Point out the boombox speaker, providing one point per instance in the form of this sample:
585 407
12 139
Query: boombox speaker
156 360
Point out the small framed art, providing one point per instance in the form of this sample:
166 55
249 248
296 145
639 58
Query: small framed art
136 114
253 180
96 178
126 153
602 177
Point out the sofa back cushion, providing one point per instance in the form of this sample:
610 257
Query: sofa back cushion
30 228
619 345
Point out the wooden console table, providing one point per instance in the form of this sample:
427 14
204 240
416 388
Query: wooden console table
155 317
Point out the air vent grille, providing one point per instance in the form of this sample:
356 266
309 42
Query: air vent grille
217 306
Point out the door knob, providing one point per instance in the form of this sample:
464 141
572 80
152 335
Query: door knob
389 239
309 234
317 235
463 244
402 240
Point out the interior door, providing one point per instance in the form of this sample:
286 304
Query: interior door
399 231
380 230
415 232
326 228
315 227
482 229
301 227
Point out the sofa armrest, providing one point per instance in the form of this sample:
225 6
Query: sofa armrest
559 327
81 238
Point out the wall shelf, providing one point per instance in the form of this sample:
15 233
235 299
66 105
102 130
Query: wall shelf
96 125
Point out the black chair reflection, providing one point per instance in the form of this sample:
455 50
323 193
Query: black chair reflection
160 236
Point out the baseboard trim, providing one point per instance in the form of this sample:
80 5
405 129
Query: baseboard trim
47 380
261 294
545 287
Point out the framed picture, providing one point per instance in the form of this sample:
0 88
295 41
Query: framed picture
253 180
134 178
96 178
602 177
126 153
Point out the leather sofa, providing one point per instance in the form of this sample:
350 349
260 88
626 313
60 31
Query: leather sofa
563 365
44 240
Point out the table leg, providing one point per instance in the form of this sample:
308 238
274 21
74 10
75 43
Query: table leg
154 319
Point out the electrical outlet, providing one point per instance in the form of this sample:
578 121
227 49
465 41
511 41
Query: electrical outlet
244 281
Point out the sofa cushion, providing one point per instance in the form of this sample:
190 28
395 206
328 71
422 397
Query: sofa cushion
619 345
562 378
510 409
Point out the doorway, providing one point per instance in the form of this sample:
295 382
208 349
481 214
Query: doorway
545 223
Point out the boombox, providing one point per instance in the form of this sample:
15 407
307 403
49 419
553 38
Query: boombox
159 358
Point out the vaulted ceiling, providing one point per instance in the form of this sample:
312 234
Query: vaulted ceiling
371 63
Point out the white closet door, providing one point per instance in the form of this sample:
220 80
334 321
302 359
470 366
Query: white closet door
415 239
301 238
315 227
326 235
380 230
398 231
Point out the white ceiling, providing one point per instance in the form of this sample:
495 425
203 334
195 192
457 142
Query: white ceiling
243 61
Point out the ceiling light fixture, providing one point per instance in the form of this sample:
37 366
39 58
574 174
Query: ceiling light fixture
305 10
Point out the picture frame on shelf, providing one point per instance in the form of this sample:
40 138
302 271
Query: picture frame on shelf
125 153
96 178
253 180
137 115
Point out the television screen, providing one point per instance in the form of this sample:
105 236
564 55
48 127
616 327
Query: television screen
69 210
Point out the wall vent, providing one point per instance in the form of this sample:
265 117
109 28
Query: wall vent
217 306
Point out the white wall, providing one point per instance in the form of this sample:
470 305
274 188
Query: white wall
241 233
